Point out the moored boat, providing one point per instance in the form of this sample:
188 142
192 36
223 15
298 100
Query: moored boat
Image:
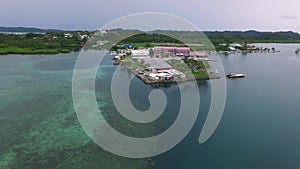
236 75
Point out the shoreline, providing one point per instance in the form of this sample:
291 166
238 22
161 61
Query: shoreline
147 81
26 51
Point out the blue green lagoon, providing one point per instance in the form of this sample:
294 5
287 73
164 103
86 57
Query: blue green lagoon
259 129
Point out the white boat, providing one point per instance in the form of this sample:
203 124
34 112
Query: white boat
236 75
113 53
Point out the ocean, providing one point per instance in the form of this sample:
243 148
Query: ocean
259 128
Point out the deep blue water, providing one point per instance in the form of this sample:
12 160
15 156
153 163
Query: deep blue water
259 129
260 125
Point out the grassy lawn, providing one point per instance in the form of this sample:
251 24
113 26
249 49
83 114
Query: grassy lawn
197 75
184 68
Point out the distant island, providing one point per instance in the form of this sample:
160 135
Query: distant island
21 40
29 30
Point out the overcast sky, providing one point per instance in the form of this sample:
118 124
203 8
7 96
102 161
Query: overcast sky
263 15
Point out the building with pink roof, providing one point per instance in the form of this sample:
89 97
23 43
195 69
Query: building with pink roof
199 54
160 51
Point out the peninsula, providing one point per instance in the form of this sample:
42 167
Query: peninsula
164 64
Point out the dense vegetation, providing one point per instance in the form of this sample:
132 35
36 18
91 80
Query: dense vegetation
219 37
150 38
49 43
54 41
216 38
191 68
253 37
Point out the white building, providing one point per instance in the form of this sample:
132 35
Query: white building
160 76
140 54
173 73
68 35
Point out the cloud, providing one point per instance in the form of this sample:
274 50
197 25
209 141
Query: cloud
288 17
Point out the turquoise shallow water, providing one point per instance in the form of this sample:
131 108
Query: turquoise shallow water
259 129
38 124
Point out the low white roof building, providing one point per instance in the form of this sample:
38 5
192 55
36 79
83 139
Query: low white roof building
140 54
160 75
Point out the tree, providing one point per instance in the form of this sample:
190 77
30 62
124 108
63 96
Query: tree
151 52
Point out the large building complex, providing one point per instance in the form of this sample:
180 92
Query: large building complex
165 51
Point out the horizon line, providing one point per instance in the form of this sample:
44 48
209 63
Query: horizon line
92 30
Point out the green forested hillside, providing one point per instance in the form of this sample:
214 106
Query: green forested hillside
49 43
